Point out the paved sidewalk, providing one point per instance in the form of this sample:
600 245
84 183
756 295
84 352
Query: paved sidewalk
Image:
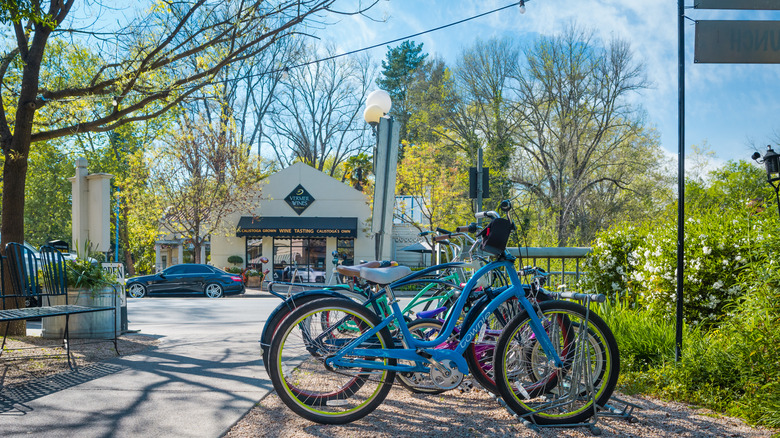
203 377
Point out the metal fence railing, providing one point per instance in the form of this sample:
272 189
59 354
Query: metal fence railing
562 263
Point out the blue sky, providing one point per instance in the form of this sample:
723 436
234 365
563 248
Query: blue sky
733 108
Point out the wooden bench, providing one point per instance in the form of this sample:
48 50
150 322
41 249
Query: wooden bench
22 268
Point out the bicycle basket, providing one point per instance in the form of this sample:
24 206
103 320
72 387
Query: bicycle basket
496 235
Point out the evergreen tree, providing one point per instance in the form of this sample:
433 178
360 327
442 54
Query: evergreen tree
397 77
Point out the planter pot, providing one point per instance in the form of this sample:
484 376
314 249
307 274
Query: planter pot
254 281
92 325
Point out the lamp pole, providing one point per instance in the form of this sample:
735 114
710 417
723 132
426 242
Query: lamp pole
378 104
771 162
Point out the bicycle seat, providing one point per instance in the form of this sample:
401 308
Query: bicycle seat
384 276
354 271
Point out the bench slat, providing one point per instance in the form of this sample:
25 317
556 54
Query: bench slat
42 312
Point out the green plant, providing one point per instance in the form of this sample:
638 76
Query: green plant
233 270
87 274
253 273
236 260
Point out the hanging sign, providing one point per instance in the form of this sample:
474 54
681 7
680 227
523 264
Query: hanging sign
737 42
299 199
767 5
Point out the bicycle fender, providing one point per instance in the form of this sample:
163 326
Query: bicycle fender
289 304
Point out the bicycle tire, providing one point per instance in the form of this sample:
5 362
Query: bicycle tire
302 380
565 395
479 354
285 308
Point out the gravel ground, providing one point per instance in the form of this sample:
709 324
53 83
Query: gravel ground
26 358
453 414
476 414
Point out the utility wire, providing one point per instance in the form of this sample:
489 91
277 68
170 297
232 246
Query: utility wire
316 61
406 37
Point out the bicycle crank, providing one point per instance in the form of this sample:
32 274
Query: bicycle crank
445 375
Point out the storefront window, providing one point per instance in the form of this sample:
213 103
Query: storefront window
254 250
346 250
303 259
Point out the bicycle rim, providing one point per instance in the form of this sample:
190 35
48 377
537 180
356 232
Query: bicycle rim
311 334
531 385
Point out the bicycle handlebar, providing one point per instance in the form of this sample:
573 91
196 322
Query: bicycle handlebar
483 214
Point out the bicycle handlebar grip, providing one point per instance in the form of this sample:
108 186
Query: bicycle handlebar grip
424 233
483 214
470 228
441 238
442 231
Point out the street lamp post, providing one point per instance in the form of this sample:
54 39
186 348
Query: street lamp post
771 162
378 105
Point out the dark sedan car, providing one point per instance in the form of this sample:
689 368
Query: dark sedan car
188 278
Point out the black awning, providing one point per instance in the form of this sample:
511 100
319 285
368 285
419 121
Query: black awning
297 226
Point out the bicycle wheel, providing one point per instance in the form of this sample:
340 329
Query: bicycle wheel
479 354
309 335
531 386
425 329
285 308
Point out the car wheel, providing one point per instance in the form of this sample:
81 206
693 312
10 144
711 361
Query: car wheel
213 290
136 290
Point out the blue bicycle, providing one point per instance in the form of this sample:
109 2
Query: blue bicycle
334 361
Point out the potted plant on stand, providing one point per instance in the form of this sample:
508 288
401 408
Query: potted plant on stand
88 285
254 278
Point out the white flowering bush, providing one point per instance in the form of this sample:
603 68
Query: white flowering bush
638 263
610 267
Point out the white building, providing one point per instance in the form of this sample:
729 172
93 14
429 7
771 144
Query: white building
300 217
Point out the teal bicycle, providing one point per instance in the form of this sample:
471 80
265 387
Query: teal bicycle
333 361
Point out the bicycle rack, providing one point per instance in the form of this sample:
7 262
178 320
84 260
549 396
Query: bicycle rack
609 410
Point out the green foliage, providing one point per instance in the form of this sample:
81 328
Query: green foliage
47 213
638 263
397 76
233 270
732 283
15 11
732 368
87 274
236 260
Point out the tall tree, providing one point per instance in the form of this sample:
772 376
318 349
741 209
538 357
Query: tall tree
487 115
201 175
141 70
317 115
397 69
433 177
582 136
431 102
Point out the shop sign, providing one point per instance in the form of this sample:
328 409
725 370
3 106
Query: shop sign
299 199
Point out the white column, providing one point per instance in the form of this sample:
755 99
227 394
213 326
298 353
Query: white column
157 258
180 252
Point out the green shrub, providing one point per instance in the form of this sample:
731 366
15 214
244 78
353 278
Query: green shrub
731 367
236 260
638 264
233 270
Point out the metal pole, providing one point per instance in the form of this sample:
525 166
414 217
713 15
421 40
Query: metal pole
479 182
680 177
116 226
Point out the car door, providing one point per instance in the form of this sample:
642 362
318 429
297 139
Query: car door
170 280
196 278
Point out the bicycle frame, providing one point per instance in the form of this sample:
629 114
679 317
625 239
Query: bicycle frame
515 289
